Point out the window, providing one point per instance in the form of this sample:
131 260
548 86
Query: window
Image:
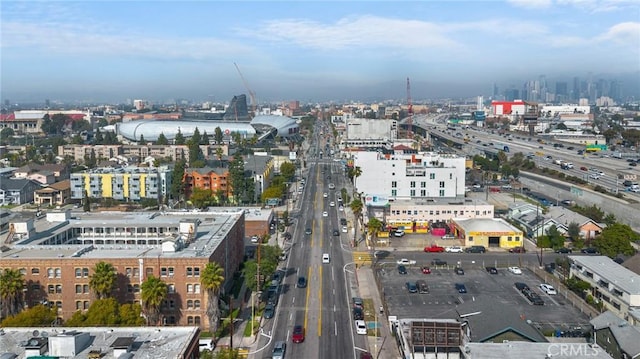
78 304
58 288
196 271
509 238
59 304
78 272
196 320
149 271
129 288
189 304
441 184
136 272
394 193
412 193
163 271
189 288
450 175
394 184
35 271
196 288
412 184
441 193
517 239
50 272
432 176
172 304
189 271
470 239
616 305
51 289
86 304
171 288
423 193
85 289
128 272
58 273
196 304
190 320
136 288
78 288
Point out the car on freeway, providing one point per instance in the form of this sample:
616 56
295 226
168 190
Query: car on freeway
563 250
361 327
517 250
279 350
325 258
308 231
336 233
548 288
460 288
405 261
459 271
269 311
583 168
325 195
434 249
426 270
515 270
332 204
492 270
438 262
412 287
298 334
302 282
454 249
594 176
402 269
325 214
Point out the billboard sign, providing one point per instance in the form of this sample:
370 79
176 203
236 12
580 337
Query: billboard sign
376 200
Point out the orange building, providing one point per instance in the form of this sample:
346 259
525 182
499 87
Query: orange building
215 179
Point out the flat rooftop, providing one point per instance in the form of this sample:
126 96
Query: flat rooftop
123 241
148 342
523 350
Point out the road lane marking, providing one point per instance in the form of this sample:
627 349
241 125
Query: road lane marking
320 301
335 329
306 305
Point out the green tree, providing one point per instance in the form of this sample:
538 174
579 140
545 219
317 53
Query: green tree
573 231
616 239
11 285
86 202
6 133
212 279
103 279
153 291
374 226
77 140
356 208
219 153
217 135
37 316
196 157
103 312
177 178
205 139
142 141
81 125
162 140
130 315
179 139
609 219
271 192
202 198
288 171
99 139
236 172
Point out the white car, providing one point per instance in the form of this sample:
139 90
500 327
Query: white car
454 249
325 214
344 229
361 327
325 195
341 208
332 204
594 176
399 233
255 239
325 258
548 288
405 261
515 270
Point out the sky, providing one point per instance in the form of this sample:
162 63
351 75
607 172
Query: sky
307 50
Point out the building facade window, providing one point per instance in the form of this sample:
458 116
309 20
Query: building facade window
35 271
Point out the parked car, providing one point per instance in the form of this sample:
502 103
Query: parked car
589 250
255 239
476 249
358 313
521 286
357 302
366 355
402 269
517 250
361 327
298 334
398 233
515 270
563 250
454 249
492 270
412 287
423 288
269 311
405 261
548 288
426 270
279 349
460 288
459 271
434 249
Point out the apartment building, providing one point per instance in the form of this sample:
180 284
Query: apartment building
171 152
214 179
126 183
616 287
57 256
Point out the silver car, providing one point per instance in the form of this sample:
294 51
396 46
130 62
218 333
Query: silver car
279 349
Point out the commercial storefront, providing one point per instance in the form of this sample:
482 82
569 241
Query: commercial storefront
488 232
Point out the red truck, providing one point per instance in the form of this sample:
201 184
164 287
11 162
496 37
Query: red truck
434 249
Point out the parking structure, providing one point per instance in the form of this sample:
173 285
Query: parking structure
442 298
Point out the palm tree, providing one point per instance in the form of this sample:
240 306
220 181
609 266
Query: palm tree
212 279
153 291
356 208
103 279
11 284
373 227
219 153
354 173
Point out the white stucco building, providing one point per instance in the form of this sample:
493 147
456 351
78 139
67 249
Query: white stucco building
390 177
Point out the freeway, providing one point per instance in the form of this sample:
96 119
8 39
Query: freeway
323 307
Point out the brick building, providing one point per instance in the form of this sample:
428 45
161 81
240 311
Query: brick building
215 179
57 256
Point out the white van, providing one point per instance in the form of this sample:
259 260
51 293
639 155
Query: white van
325 258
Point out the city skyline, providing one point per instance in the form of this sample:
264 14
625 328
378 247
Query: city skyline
311 51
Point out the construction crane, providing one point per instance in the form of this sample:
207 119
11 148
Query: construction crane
409 111
252 95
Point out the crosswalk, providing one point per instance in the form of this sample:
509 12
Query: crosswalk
361 258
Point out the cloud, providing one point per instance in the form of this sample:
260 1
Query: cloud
626 33
530 4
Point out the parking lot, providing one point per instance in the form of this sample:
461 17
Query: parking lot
443 299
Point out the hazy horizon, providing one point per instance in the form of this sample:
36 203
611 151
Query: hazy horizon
310 51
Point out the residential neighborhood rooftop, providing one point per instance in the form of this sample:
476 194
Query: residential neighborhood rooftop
610 271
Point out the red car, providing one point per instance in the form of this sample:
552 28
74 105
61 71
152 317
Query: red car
434 249
298 334
517 250
426 270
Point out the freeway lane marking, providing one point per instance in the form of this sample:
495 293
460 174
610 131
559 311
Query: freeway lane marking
306 305
320 301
